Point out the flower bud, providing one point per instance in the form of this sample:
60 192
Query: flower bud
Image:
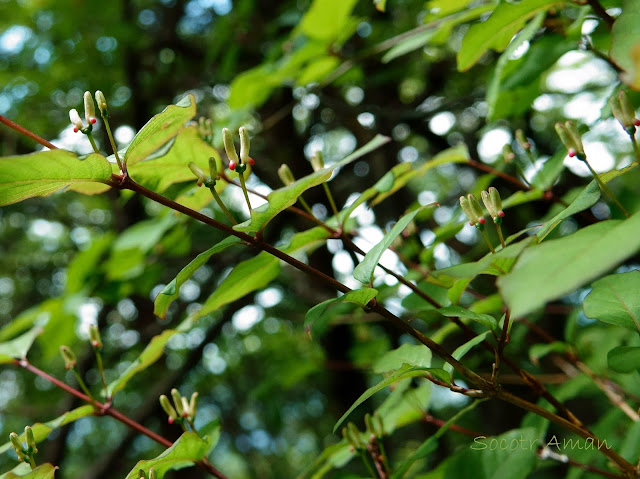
177 401
507 153
213 167
230 148
89 108
244 145
94 336
464 204
493 203
285 174
102 103
185 408
628 112
31 440
573 132
476 208
197 171
317 161
522 139
142 474
193 405
168 408
68 356
152 473
75 120
15 441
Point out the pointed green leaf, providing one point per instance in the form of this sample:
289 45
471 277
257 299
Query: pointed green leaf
42 430
625 44
161 172
614 299
188 449
45 172
282 198
170 292
363 272
624 359
554 268
586 199
44 471
160 129
326 19
457 311
406 371
464 349
248 276
496 32
416 355
17 348
316 318
147 357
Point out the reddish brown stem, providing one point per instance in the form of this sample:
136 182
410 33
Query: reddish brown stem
27 133
108 410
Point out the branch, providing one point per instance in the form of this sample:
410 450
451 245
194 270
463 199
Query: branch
27 133
108 410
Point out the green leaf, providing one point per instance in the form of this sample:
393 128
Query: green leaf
17 348
363 272
512 454
316 318
464 349
173 167
416 355
624 359
457 311
326 19
547 176
406 371
538 351
625 44
45 172
44 471
614 299
248 276
187 450
494 89
282 198
317 70
147 357
85 263
160 129
42 430
498 30
170 292
589 197
554 268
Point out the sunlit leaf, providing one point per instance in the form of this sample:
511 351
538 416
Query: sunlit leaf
45 172
498 30
326 19
625 44
554 268
147 357
464 349
457 311
188 449
363 272
44 471
42 430
281 199
171 291
160 129
17 348
614 299
316 318
416 355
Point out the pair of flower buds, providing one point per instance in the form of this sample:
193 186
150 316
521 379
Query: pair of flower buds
24 453
184 408
473 210
89 112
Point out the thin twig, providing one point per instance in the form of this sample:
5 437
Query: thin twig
27 133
